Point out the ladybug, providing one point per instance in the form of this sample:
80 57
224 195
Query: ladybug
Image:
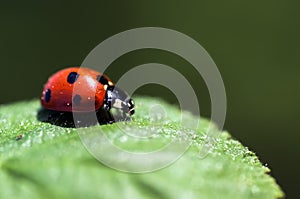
78 89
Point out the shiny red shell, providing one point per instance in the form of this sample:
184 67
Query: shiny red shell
75 89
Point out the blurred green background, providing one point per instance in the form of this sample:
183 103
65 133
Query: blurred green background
255 45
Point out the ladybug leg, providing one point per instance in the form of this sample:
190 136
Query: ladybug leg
107 106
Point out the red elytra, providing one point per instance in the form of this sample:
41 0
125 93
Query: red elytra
75 89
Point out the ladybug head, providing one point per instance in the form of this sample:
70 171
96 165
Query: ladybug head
117 98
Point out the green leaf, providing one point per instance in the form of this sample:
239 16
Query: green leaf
41 160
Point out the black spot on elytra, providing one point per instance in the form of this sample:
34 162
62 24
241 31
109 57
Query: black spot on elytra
72 77
102 80
77 99
47 95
